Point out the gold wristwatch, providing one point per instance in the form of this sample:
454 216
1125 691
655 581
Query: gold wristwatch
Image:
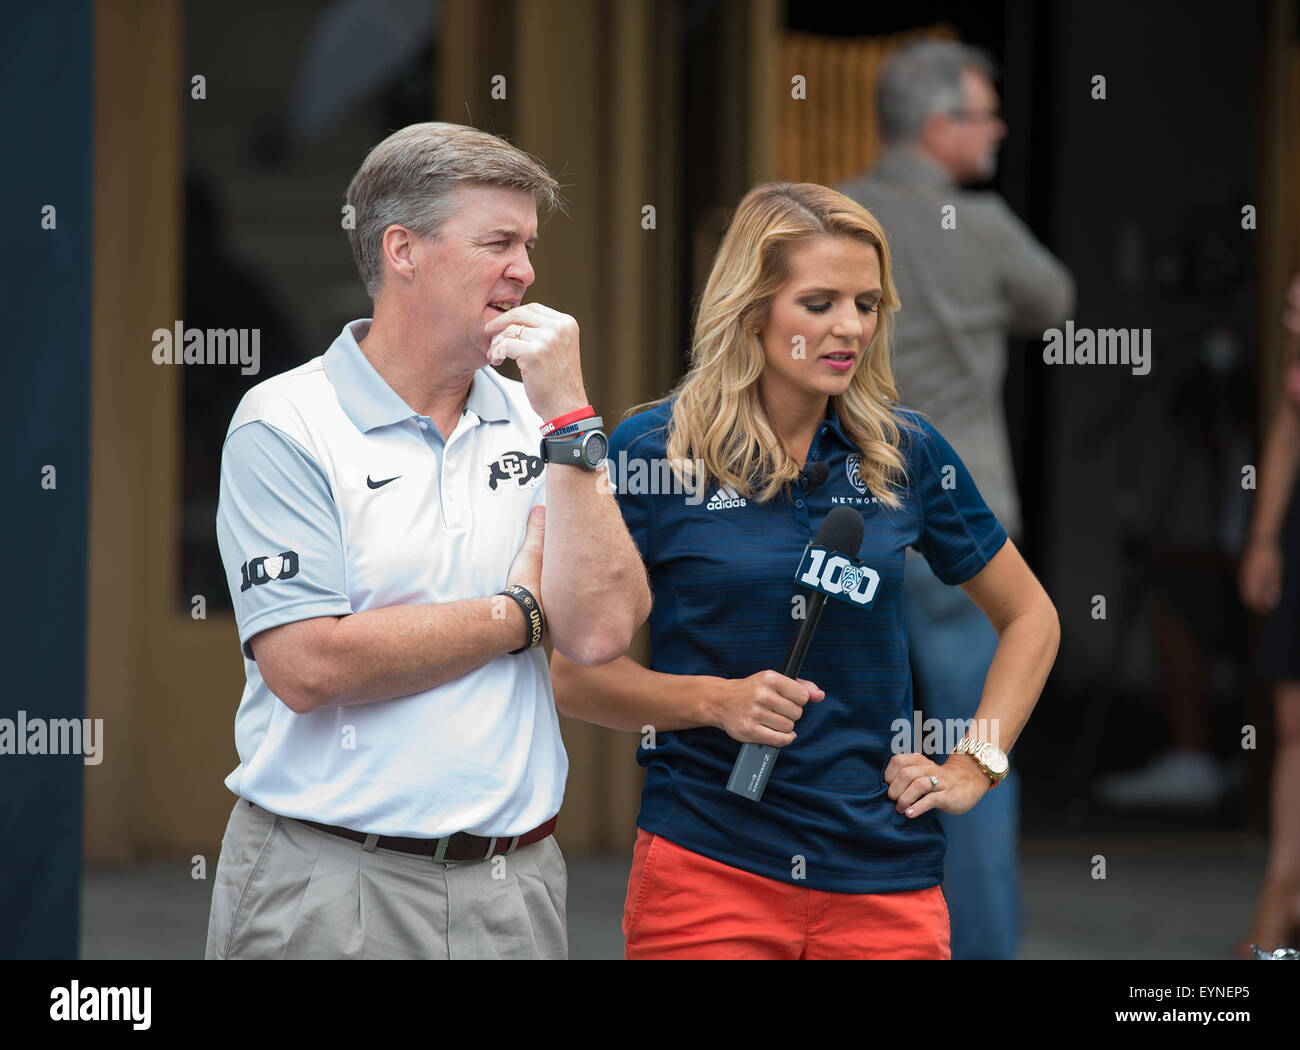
992 759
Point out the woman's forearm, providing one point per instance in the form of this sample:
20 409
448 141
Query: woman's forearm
1277 474
624 695
1026 651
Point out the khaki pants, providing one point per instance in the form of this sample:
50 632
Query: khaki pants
283 890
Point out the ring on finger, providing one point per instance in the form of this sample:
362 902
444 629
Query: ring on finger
934 783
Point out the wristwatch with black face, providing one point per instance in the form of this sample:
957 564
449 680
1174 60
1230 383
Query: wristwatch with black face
582 445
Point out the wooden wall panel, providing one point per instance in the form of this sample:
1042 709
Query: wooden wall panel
593 96
832 134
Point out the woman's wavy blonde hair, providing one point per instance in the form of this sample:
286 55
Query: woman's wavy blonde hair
719 421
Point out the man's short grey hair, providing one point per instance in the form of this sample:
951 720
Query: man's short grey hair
409 178
924 78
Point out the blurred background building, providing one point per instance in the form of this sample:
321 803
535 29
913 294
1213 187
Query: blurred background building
199 154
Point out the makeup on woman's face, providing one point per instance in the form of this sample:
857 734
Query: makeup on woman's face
822 319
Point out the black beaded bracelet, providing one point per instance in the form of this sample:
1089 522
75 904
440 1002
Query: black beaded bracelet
532 614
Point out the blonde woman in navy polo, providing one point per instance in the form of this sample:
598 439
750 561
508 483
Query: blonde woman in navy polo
843 855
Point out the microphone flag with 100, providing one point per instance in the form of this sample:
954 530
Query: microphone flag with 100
841 532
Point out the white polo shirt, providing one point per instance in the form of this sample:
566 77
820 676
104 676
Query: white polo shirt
337 498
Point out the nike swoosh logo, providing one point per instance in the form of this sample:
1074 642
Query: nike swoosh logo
380 484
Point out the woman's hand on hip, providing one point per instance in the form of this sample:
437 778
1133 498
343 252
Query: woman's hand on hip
961 783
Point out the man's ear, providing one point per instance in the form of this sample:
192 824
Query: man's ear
397 246
935 128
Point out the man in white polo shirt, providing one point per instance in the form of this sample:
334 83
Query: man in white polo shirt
396 547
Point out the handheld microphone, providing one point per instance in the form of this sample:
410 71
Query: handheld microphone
841 532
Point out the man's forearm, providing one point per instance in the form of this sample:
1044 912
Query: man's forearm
1041 295
1038 287
382 654
594 588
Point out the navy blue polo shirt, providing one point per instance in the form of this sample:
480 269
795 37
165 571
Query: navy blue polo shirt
723 570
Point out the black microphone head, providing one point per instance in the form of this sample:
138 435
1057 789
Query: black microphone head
818 473
842 531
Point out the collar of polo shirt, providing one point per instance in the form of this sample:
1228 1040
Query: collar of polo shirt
370 402
833 421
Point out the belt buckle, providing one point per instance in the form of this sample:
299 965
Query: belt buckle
492 846
440 851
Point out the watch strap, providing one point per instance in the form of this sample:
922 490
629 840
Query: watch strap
570 449
976 749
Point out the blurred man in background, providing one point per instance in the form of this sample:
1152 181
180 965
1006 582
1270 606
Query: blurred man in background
969 273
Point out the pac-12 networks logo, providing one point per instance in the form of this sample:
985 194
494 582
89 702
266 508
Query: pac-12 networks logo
284 566
852 468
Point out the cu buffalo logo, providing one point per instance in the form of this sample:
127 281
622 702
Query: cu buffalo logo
283 566
518 467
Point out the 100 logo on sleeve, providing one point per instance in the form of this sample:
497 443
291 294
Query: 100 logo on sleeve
840 577
284 566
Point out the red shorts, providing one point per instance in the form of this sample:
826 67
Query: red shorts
681 905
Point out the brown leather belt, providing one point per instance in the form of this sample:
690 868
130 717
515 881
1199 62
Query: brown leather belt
460 846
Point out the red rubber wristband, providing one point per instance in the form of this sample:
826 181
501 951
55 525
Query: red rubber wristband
585 412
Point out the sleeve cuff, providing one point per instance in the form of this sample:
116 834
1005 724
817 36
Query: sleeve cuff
292 613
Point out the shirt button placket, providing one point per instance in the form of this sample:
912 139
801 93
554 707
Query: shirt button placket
801 502
455 502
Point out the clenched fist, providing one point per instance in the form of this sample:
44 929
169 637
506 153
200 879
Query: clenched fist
544 343
763 708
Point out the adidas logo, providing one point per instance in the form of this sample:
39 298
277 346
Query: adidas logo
725 499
